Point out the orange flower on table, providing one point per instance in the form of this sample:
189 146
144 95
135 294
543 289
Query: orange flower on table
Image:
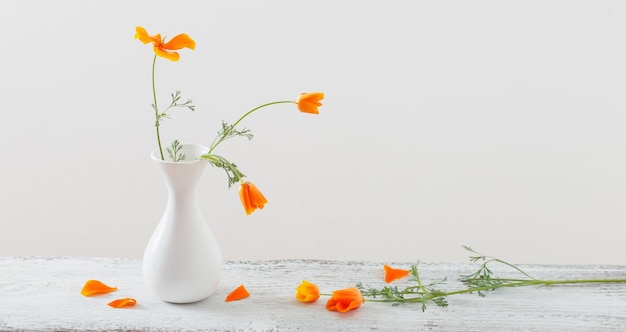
162 48
93 287
239 293
122 303
251 197
307 292
392 274
344 300
309 102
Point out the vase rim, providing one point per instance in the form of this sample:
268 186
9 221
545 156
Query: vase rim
192 150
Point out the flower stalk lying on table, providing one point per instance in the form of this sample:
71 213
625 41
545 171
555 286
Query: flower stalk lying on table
479 282
251 197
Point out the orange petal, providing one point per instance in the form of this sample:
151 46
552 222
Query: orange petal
173 56
256 197
392 274
121 303
144 37
307 292
251 197
239 293
178 42
93 287
244 195
309 102
344 300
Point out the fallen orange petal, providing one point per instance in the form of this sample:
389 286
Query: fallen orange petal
93 287
392 274
239 293
121 303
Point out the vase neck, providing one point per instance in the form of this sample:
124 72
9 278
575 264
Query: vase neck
181 176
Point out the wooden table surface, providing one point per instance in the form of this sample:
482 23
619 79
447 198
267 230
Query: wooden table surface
43 294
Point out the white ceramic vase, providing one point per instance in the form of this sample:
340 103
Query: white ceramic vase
182 262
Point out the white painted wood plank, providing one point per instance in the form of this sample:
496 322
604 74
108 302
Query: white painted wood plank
43 294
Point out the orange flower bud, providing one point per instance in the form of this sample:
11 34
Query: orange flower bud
251 197
344 300
392 274
309 102
307 292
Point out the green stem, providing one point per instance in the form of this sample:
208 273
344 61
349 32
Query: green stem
222 162
218 158
510 265
419 281
535 282
156 109
521 283
222 137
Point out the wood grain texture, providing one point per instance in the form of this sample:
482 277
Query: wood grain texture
43 294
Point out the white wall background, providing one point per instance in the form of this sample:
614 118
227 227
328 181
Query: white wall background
496 124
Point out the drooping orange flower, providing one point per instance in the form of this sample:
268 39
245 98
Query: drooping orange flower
251 197
121 303
162 48
307 292
93 287
344 300
392 274
239 293
309 102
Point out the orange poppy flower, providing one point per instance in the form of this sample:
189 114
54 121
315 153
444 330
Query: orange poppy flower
239 293
344 300
121 303
93 287
163 49
251 197
307 292
392 274
309 102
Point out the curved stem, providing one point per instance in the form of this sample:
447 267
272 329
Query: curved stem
223 136
156 109
512 266
216 160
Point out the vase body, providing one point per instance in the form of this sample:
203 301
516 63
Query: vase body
182 262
